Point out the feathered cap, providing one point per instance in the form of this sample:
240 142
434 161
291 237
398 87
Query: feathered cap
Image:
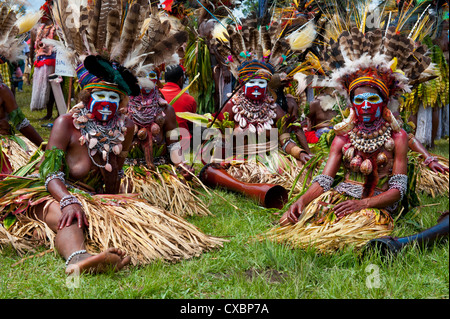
258 44
124 44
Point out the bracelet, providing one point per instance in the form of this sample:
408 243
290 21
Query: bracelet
400 182
22 124
430 159
79 252
324 181
68 200
52 176
286 144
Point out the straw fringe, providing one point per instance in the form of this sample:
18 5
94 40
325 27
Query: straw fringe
164 190
327 237
282 171
144 232
17 156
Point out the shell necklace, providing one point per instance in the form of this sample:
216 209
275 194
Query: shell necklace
99 137
146 107
255 117
370 139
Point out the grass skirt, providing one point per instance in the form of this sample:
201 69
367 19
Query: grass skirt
146 233
279 169
163 188
317 227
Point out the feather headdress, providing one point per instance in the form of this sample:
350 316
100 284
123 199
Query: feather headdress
258 42
12 35
385 58
118 31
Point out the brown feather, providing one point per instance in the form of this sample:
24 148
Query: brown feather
112 29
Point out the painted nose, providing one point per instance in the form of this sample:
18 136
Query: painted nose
366 106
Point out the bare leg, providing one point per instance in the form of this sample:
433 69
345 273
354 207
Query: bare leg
71 239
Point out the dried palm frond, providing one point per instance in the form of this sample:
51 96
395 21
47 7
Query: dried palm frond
317 227
18 155
164 189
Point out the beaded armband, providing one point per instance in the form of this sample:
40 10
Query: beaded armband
52 176
68 200
286 144
400 182
25 122
324 181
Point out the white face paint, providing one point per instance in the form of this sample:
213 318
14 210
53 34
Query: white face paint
104 104
255 89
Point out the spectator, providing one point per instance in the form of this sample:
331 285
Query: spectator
174 78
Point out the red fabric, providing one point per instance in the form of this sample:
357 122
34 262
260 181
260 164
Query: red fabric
311 137
41 63
185 103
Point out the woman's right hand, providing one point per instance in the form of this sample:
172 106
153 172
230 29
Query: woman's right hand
293 213
70 213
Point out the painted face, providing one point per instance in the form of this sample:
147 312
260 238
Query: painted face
368 106
255 89
104 104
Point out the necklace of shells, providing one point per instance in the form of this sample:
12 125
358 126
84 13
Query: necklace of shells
99 137
255 117
146 108
368 141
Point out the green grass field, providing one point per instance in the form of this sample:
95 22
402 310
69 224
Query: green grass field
245 268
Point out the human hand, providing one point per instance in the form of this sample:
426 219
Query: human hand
436 167
185 171
71 212
292 214
304 157
347 207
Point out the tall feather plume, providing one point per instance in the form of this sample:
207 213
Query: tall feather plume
8 24
357 37
164 50
91 35
129 33
375 39
112 29
345 45
106 7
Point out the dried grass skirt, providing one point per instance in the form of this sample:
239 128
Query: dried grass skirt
318 229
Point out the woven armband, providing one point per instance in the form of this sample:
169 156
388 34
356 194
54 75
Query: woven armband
52 176
400 182
324 181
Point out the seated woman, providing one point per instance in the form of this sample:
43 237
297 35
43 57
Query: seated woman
73 204
370 144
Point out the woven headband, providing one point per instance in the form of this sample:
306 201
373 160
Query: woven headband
104 86
369 80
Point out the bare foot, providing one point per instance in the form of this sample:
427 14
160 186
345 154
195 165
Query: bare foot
112 258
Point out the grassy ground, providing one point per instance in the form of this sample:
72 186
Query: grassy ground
245 268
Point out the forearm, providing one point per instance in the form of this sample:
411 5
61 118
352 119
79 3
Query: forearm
383 200
29 132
